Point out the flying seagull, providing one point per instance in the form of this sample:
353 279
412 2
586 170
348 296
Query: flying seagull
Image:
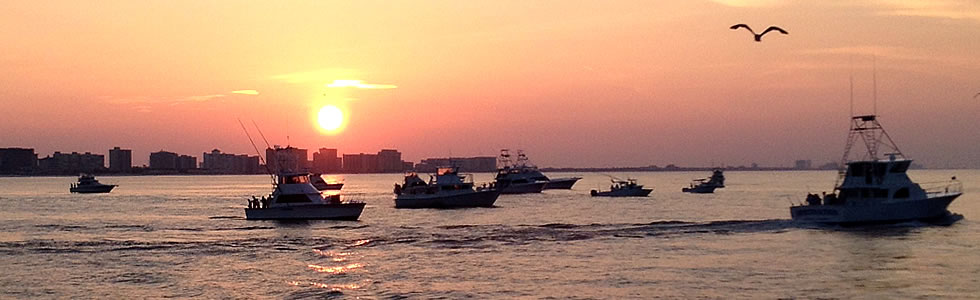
758 36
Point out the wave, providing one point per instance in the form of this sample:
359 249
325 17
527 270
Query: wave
449 236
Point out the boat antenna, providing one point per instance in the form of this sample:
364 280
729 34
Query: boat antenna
257 150
874 82
850 66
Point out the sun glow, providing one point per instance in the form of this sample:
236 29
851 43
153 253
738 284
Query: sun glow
330 118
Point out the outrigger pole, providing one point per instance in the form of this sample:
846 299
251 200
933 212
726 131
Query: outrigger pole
263 161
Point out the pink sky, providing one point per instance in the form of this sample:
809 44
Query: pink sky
573 83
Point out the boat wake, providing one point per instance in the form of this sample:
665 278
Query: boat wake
449 236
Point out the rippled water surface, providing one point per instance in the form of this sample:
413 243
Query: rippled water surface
185 236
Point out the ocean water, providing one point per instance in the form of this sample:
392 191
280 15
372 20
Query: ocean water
185 237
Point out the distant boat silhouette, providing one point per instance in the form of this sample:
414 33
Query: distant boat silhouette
758 36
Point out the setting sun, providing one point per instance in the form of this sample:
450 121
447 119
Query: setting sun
330 118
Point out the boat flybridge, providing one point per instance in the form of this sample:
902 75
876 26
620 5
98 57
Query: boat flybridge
874 189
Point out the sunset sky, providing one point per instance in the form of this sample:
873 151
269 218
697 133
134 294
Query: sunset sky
573 83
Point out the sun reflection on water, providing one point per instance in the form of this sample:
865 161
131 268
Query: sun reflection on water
332 287
335 270
335 256
359 243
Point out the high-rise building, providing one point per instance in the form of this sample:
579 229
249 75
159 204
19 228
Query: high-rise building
286 159
73 163
186 162
465 164
361 163
326 161
217 162
17 160
389 160
163 160
120 160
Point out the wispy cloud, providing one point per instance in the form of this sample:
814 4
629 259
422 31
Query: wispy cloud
945 9
894 53
344 83
200 98
317 76
748 3
246 92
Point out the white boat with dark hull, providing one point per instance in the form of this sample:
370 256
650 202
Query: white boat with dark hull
87 184
447 189
564 183
874 190
323 185
519 177
531 171
707 185
295 198
623 188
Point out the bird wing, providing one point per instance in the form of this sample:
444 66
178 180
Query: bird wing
771 28
977 95
737 26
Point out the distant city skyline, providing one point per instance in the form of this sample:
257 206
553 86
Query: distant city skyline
574 84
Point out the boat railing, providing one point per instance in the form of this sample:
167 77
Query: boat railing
942 188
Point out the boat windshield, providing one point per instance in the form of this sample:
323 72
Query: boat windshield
292 179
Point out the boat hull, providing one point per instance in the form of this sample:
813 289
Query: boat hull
342 211
701 189
92 189
928 208
523 188
561 183
623 193
460 200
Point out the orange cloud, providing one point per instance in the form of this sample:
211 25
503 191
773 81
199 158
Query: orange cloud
341 83
246 92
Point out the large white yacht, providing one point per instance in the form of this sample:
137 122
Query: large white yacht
875 189
447 189
518 177
295 198
87 184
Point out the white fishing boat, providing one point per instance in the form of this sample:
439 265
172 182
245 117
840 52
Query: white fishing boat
294 197
874 189
707 185
519 177
323 185
87 184
563 183
623 188
447 189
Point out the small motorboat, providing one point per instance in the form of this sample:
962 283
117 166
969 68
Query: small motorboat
323 185
623 188
87 184
707 185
